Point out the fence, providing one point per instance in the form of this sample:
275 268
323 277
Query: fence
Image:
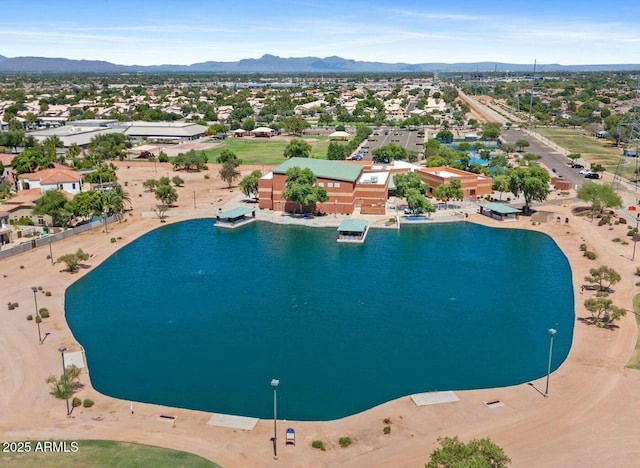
45 240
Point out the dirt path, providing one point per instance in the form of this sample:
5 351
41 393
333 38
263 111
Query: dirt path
590 418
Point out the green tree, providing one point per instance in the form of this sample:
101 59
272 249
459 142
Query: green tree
295 124
226 155
297 148
416 201
388 153
603 312
521 144
86 204
112 201
491 130
409 180
177 181
445 136
604 277
54 204
337 151
72 260
301 188
477 453
190 161
249 124
532 182
64 387
249 184
600 196
229 173
109 146
500 184
150 184
165 192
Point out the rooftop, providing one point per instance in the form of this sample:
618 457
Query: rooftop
323 169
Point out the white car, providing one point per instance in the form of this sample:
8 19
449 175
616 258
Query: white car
585 171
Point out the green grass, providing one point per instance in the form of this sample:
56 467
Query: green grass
266 151
105 453
634 361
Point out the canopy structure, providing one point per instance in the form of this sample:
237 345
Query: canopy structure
235 217
500 211
353 230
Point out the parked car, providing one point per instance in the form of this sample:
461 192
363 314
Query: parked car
585 171
592 175
577 166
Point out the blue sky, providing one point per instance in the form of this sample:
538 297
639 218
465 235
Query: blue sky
144 32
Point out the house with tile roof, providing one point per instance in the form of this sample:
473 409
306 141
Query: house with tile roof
56 178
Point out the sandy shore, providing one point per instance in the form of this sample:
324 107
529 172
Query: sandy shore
590 418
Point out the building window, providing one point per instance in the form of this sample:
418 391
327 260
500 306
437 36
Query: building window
336 184
40 221
472 191
73 186
60 186
320 184
330 184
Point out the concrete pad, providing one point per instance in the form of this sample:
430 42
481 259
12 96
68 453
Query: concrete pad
434 398
234 422
75 358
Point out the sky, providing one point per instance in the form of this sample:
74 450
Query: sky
183 32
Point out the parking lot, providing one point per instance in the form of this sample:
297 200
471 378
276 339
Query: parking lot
403 137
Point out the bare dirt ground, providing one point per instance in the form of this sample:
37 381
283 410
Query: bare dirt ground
589 419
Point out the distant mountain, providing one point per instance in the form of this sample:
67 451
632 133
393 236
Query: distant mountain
274 64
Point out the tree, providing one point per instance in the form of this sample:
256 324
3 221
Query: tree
73 260
150 184
191 160
54 204
477 453
249 124
500 184
388 153
603 312
300 188
112 201
409 180
600 196
249 185
177 181
86 204
297 148
417 203
226 155
532 182
491 130
521 144
445 136
604 277
451 191
229 173
165 192
295 125
64 387
337 151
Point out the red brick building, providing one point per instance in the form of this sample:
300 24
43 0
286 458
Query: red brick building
473 185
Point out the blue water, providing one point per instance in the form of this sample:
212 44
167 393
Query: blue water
203 318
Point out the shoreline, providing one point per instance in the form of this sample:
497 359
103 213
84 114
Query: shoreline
592 395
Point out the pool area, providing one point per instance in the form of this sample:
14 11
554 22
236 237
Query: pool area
202 318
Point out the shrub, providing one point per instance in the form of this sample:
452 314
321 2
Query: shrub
44 312
387 420
48 293
386 430
22 267
583 247
318 444
206 176
29 317
616 239
87 403
590 255
10 306
344 441
637 273
76 402
39 288
113 240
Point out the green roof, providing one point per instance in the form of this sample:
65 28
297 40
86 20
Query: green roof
235 213
353 225
323 168
500 208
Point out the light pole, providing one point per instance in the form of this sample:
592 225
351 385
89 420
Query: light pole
274 384
104 215
37 316
194 199
62 349
552 333
50 251
635 237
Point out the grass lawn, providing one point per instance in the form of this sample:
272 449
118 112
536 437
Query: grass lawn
634 361
105 453
266 151
594 150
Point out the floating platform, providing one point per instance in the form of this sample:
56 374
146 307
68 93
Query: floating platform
234 218
353 231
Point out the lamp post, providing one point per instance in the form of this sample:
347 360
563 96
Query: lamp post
274 384
62 349
50 251
552 333
104 215
194 199
635 237
37 316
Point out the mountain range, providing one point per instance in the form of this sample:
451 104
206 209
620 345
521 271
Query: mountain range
274 64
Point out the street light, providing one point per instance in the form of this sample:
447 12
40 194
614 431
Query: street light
635 237
37 316
62 349
552 333
274 384
194 199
